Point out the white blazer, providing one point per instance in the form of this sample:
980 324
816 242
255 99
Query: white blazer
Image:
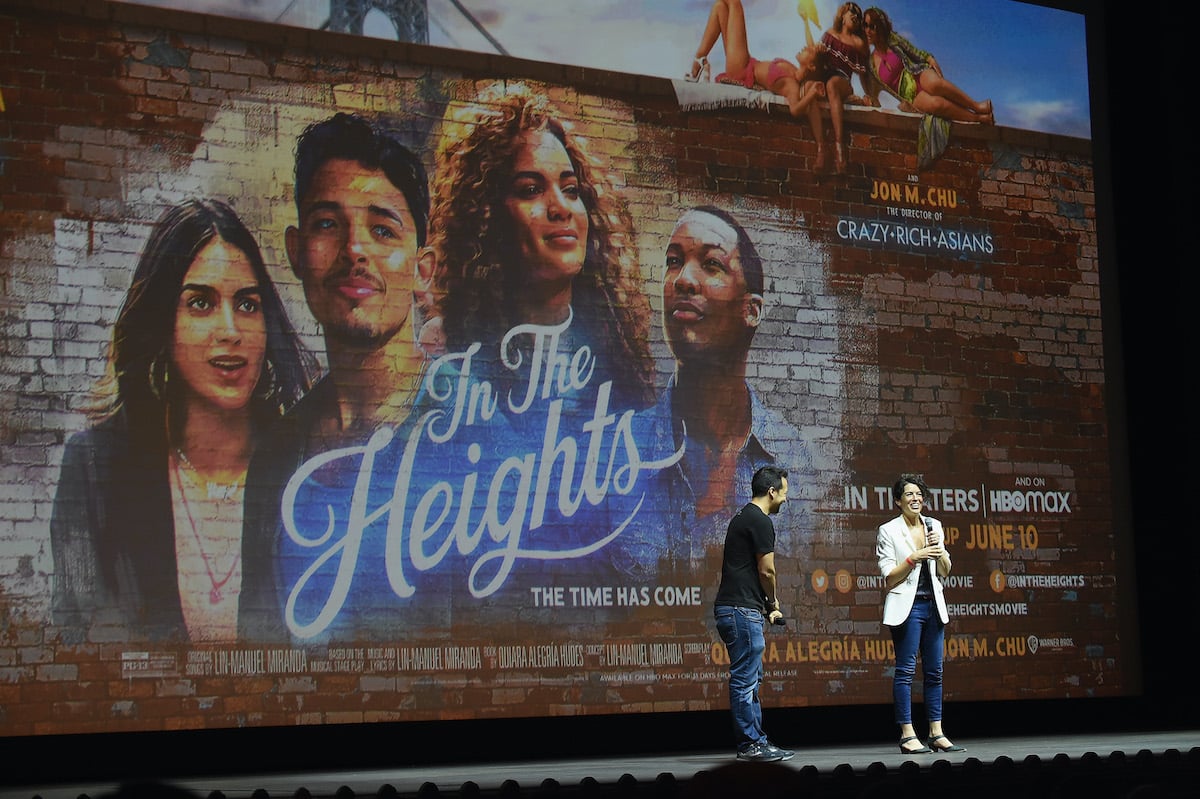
893 545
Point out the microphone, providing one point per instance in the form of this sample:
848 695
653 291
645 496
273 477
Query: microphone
930 536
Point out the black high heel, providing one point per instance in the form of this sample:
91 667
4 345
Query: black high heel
949 747
924 750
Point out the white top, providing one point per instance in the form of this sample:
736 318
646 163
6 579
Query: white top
893 545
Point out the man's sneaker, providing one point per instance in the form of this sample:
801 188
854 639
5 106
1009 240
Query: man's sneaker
784 754
761 753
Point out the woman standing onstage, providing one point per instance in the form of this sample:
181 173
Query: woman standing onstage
146 529
913 561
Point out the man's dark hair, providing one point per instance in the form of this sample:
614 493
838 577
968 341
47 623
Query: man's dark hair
354 138
766 478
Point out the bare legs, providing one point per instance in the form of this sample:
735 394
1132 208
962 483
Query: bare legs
837 89
942 98
727 22
818 125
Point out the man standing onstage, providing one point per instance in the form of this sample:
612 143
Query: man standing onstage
747 591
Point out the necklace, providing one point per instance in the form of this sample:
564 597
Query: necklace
216 594
220 491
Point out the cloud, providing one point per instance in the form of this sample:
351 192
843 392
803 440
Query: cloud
1059 116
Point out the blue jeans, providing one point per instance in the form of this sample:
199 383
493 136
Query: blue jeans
923 630
741 630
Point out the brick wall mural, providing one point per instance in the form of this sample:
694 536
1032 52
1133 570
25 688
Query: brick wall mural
350 381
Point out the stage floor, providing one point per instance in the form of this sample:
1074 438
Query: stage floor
646 770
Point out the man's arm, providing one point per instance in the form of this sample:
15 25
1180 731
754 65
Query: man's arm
766 578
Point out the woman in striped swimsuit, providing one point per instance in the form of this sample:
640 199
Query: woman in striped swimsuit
846 52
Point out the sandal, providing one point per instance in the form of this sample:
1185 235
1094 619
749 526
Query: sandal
946 747
700 71
924 750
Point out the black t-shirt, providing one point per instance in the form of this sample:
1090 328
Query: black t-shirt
751 533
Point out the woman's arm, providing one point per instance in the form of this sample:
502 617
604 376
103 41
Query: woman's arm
871 84
911 52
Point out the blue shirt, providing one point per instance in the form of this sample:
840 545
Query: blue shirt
679 531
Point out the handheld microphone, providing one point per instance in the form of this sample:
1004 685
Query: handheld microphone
928 530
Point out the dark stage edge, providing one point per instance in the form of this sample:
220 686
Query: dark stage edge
1126 764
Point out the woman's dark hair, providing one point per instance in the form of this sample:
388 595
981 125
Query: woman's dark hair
905 479
883 23
479 273
838 21
139 356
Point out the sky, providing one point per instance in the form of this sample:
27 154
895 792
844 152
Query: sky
1030 60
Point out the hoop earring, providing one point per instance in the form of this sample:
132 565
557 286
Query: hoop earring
158 377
